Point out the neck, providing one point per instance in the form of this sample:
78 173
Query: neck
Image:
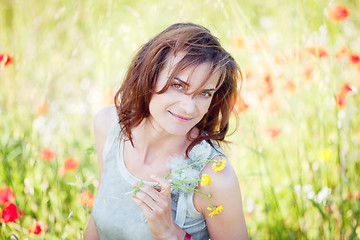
153 145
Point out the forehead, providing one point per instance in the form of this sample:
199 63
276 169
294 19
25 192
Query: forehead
197 75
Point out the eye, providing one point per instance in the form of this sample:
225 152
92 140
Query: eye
177 86
206 94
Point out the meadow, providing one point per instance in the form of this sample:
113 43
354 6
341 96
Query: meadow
296 148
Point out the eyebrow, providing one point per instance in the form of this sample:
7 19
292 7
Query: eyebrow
186 84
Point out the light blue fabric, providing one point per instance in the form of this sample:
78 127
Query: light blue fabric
118 217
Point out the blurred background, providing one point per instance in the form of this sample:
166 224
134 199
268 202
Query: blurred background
296 148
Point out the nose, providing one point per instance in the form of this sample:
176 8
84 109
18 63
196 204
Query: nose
188 104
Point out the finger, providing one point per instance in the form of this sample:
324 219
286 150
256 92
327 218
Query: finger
145 208
165 184
145 198
152 192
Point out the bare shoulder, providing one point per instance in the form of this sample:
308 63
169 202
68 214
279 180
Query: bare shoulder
225 193
104 119
223 180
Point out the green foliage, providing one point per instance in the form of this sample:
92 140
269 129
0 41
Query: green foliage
69 57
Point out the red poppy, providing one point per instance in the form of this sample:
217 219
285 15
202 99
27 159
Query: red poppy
6 195
308 72
340 100
10 213
37 227
247 74
269 89
318 52
354 58
347 87
48 154
340 97
358 195
5 59
273 132
87 199
338 13
71 164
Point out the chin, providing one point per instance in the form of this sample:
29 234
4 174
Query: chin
178 131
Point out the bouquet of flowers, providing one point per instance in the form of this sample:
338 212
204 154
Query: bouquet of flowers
188 180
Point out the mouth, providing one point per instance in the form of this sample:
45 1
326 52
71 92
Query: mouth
180 118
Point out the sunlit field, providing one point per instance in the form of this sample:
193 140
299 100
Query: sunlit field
296 149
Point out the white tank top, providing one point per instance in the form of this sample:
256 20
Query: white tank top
115 214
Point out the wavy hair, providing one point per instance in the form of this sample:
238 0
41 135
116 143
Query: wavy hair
200 46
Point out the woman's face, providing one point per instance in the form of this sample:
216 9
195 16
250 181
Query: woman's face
182 105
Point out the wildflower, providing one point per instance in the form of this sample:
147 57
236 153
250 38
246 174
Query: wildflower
325 155
354 58
71 164
38 227
340 100
273 132
48 154
6 195
340 97
308 72
215 210
358 195
87 199
5 59
42 109
338 13
347 87
268 84
10 213
185 177
318 52
205 180
219 165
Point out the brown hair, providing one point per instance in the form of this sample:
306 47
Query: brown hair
200 46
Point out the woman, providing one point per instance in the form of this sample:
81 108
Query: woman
172 110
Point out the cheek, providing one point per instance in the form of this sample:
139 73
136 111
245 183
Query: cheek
204 106
156 104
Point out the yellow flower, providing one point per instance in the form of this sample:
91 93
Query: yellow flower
325 155
216 210
205 180
219 165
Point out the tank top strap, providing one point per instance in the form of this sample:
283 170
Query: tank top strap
185 205
181 209
112 136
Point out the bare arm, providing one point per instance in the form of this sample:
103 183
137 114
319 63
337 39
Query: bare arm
225 191
91 232
102 123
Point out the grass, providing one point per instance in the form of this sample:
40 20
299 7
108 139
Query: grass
70 56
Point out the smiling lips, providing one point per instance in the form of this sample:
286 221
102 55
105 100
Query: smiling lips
180 118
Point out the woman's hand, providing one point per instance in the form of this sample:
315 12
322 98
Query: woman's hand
156 206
